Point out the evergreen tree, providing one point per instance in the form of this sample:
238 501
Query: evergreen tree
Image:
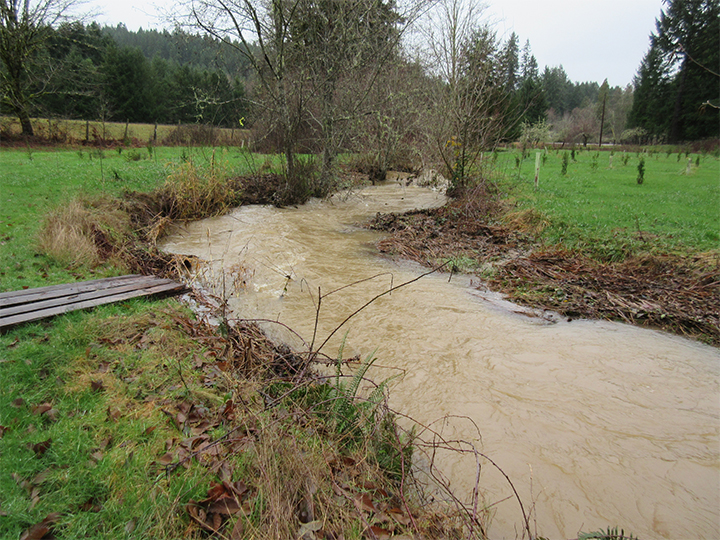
510 63
677 85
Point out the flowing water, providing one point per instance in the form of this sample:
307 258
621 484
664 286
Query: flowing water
597 424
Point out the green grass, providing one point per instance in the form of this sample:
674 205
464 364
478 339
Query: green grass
606 211
95 462
33 182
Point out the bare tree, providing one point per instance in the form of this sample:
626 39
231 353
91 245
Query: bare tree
23 32
467 114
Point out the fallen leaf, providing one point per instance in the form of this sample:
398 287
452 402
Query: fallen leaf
399 516
13 343
91 505
17 403
130 526
41 477
96 456
41 447
39 531
105 443
377 532
3 430
40 409
364 502
227 506
312 526
238 531
166 459
97 385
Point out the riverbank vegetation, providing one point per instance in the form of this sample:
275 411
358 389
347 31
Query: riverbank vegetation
587 243
149 419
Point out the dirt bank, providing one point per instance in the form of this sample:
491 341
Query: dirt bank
674 293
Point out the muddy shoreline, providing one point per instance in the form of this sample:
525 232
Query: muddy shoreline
678 294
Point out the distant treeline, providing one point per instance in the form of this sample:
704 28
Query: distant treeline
113 74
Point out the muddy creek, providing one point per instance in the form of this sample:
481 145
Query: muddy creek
597 424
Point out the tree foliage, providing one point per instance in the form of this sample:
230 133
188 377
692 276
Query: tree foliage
24 32
81 72
678 81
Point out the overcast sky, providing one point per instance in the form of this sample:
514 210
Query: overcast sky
592 39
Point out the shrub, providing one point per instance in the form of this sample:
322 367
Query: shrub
641 170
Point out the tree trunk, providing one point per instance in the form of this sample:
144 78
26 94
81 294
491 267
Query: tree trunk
676 123
26 124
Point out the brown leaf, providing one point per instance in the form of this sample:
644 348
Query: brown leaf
39 531
17 403
239 488
40 409
14 343
166 459
41 447
399 516
105 443
96 456
97 385
377 532
91 505
238 530
201 428
113 414
3 430
226 505
216 491
364 502
149 430
130 526
41 476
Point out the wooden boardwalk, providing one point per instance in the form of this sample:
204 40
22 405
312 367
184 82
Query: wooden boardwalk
32 304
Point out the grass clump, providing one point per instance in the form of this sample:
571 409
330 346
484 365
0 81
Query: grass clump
84 232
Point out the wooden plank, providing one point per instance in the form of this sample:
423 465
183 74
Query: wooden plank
163 287
83 296
53 291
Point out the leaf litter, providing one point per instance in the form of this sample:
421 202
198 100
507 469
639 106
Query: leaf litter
676 293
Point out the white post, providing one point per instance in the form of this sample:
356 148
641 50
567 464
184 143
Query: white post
537 169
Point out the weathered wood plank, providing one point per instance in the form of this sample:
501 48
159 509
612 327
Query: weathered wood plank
53 291
111 290
83 296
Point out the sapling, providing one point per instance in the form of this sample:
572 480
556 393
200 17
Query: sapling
565 161
641 170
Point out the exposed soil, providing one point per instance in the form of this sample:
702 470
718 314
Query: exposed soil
669 292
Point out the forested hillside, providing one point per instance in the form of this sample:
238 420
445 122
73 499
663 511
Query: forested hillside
89 72
355 84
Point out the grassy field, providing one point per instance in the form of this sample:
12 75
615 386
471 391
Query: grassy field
76 131
604 209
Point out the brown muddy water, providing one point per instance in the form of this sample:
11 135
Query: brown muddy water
597 424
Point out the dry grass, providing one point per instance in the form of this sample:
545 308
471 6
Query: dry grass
84 232
527 221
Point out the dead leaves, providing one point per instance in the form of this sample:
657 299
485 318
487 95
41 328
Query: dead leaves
42 530
224 501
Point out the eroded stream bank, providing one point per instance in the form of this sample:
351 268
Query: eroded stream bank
596 423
